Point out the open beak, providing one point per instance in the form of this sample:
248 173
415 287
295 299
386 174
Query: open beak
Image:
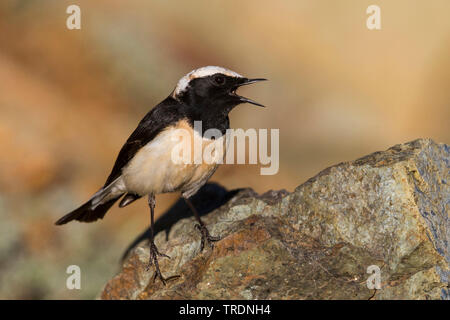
244 83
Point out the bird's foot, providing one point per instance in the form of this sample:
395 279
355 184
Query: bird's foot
206 237
154 253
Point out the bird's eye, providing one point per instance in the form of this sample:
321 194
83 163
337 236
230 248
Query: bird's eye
220 80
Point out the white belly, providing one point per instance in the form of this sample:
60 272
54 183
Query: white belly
159 168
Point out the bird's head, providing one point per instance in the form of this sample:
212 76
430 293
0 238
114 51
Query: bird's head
212 87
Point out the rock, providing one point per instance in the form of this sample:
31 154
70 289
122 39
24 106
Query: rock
387 210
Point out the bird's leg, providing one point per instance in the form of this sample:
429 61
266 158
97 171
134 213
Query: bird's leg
206 237
154 253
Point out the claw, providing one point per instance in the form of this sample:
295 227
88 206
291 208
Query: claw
157 251
154 253
206 237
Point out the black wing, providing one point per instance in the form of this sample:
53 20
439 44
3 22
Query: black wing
163 115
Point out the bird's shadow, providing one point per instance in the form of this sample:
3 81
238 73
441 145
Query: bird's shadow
210 197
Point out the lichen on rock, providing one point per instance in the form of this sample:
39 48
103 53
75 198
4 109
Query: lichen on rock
388 209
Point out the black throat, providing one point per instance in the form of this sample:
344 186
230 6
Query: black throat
212 114
209 120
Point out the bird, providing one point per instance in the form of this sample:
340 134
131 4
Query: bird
145 164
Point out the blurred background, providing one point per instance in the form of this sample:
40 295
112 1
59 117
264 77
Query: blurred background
70 98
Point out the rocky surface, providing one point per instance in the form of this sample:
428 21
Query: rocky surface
388 209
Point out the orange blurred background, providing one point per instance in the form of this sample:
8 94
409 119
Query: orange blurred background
70 98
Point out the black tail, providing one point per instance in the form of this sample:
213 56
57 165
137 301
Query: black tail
85 213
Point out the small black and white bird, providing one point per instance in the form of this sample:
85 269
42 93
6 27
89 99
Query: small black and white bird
145 166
